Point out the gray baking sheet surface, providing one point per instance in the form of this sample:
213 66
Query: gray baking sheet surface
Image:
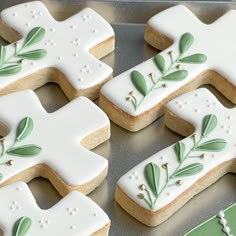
125 150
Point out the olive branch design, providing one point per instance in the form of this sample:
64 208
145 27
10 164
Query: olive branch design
172 73
152 172
24 129
13 64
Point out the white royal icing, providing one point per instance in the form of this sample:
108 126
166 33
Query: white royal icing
59 134
192 107
67 43
216 41
74 215
223 222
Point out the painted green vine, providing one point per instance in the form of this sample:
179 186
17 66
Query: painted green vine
21 226
152 191
24 129
13 63
174 72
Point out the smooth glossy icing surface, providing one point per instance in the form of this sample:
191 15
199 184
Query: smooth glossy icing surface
216 41
74 215
59 134
67 43
192 107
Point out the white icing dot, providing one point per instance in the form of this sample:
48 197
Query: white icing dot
46 43
72 227
52 29
11 208
221 214
95 31
213 155
15 14
100 65
33 63
72 26
137 177
197 94
186 103
226 229
134 173
228 131
40 13
18 189
95 214
223 221
168 193
14 202
89 72
53 44
33 12
81 79
28 24
35 16
131 177
76 55
59 58
162 158
18 207
196 110
181 106
27 5
229 117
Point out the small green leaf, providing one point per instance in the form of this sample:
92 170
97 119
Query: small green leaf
160 62
176 76
179 151
34 36
208 124
186 42
189 170
139 82
10 70
33 55
212 145
29 150
195 59
24 128
2 55
152 175
22 226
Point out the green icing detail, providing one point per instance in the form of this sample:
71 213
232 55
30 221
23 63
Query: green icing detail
24 129
22 226
169 74
152 172
212 227
13 64
139 82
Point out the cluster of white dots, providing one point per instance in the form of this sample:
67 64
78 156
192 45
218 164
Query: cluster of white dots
72 211
50 42
85 17
36 14
227 128
181 104
15 206
43 223
86 69
223 222
134 176
210 103
76 42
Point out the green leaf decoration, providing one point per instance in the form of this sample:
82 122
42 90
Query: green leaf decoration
195 59
186 42
139 82
34 36
24 128
29 150
160 62
2 55
189 170
10 70
179 151
176 76
208 125
22 226
212 145
152 175
33 55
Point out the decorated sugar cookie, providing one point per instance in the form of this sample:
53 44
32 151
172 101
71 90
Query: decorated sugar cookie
74 215
52 145
45 50
195 54
156 188
222 224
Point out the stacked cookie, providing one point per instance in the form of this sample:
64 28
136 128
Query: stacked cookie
56 145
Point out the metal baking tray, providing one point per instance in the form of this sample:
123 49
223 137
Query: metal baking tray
125 150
